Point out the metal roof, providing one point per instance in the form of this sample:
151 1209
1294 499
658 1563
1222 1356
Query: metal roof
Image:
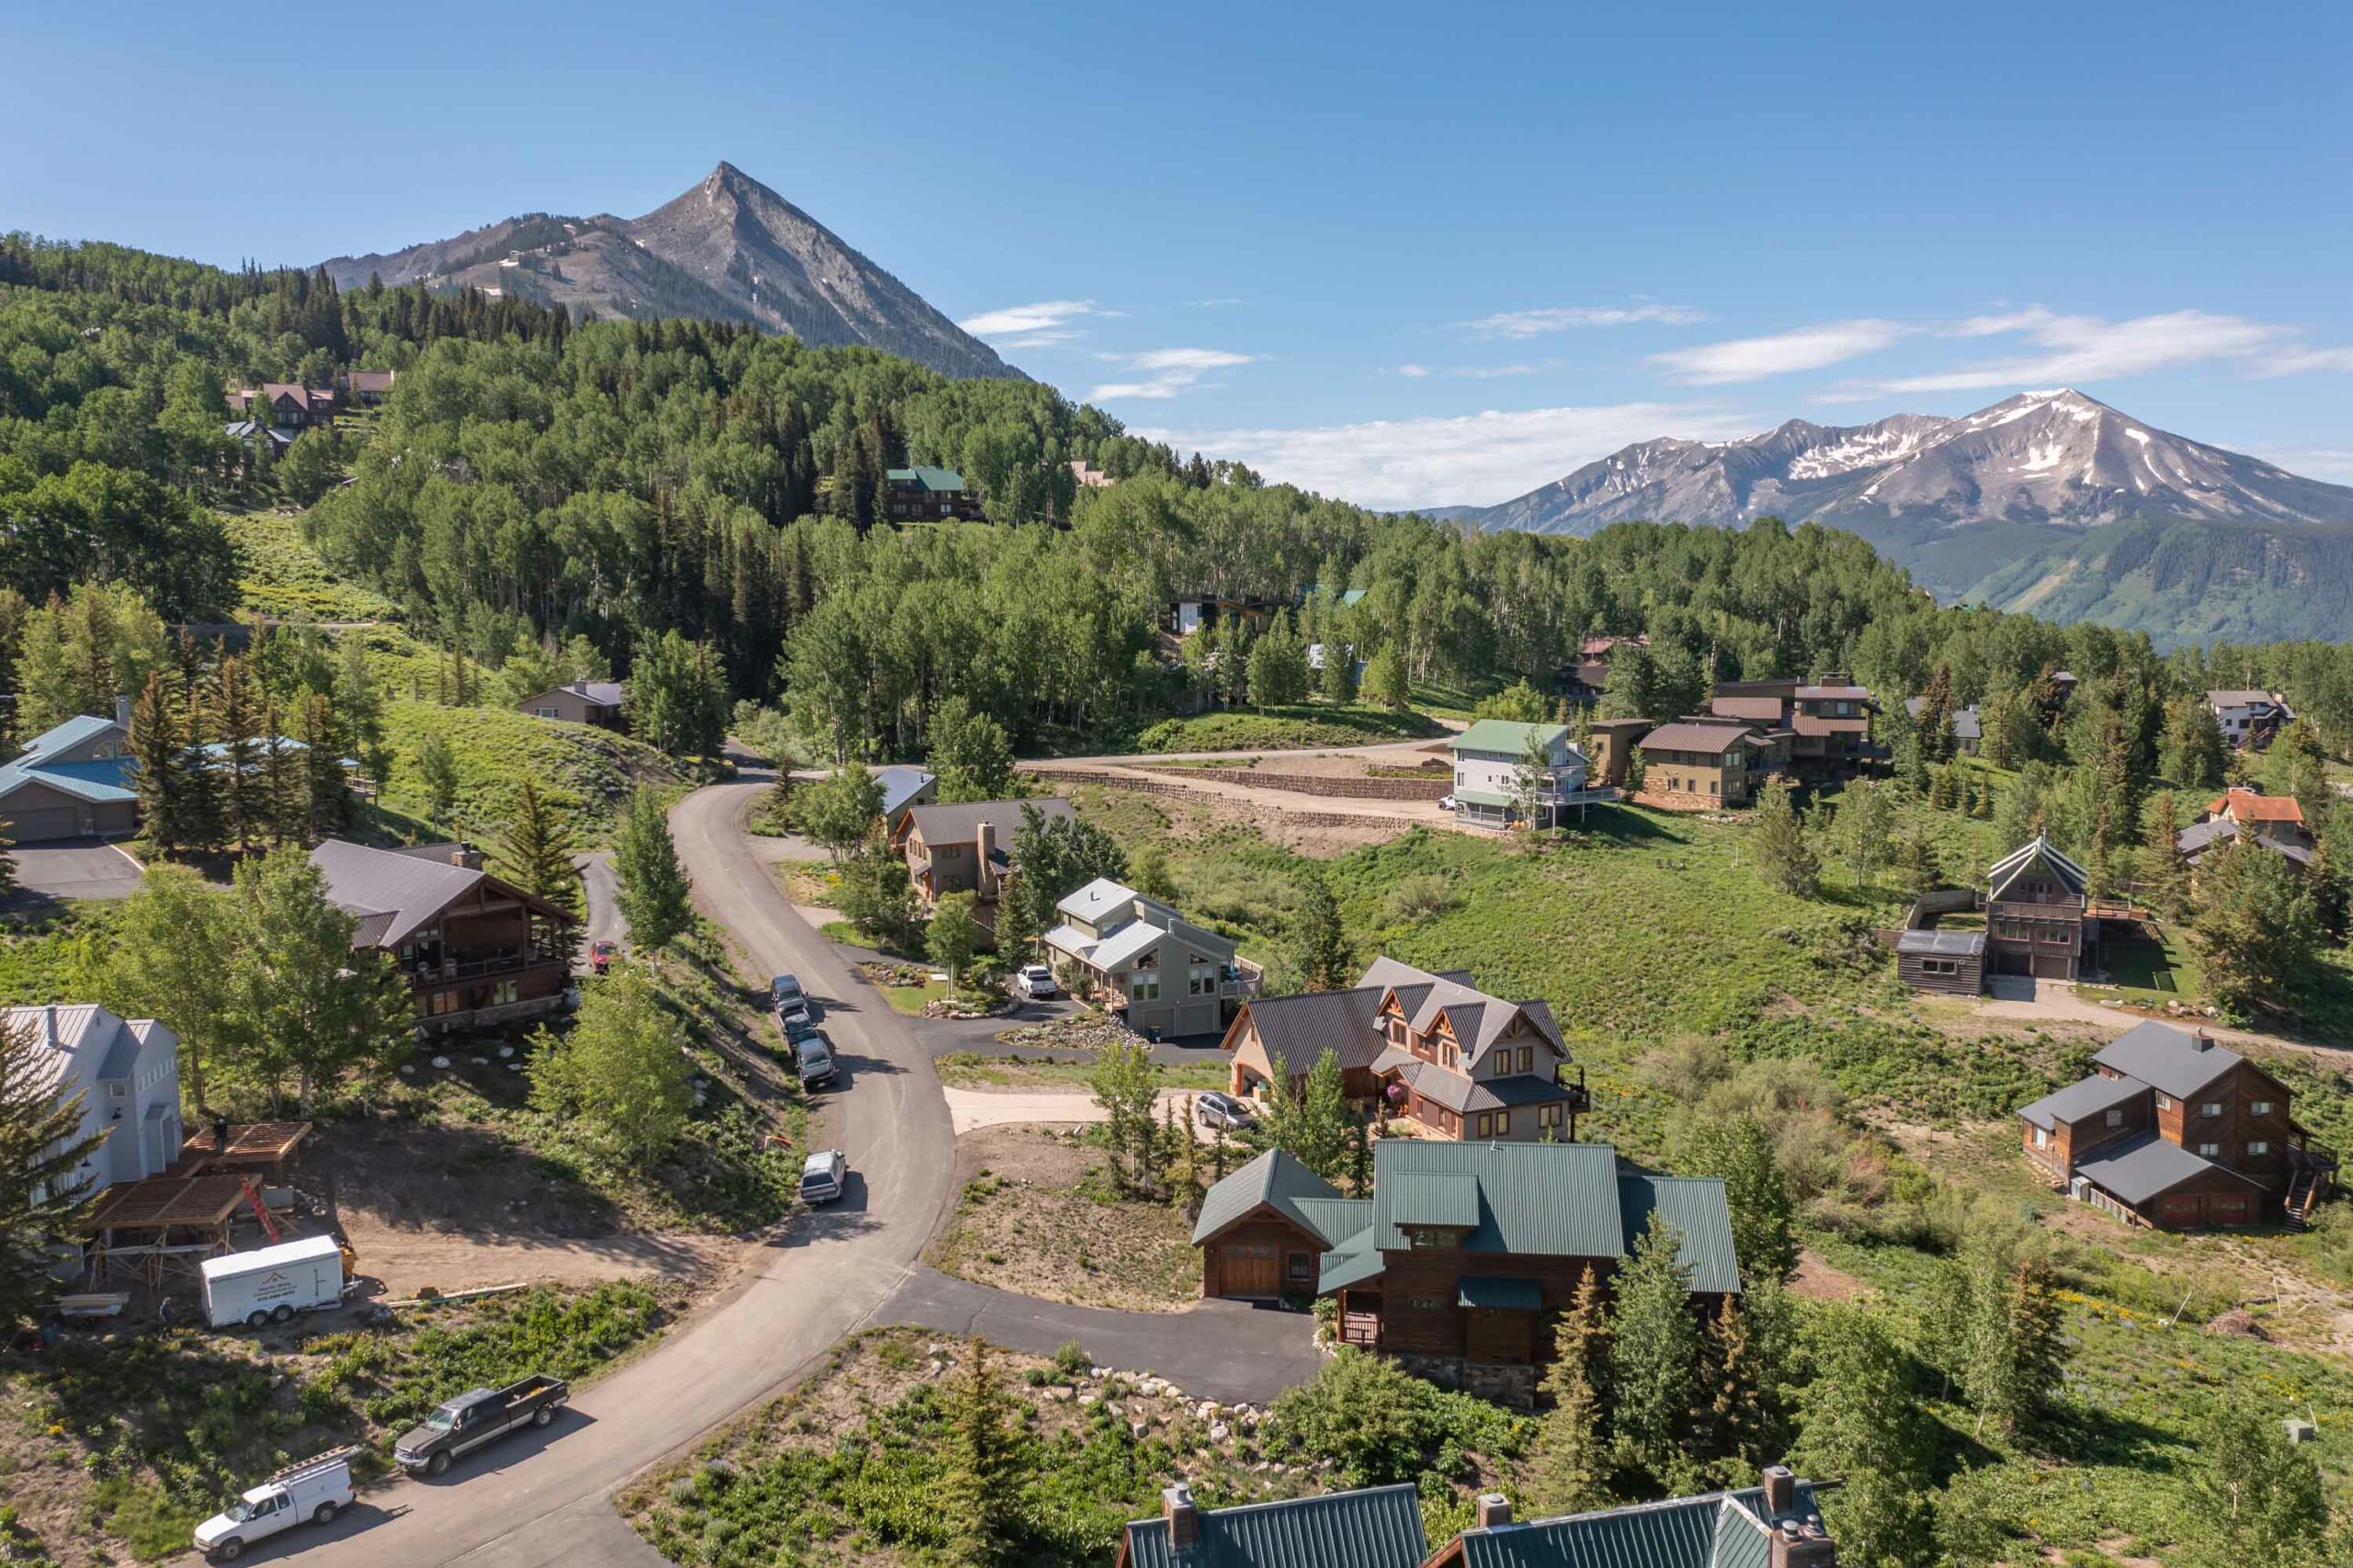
1379 1526
929 477
901 785
2007 869
1541 1199
1353 1262
1695 1206
101 779
1945 944
1508 736
960 823
2088 1097
2138 1169
1297 1030
1715 1530
1482 798
1499 1294
1275 1180
2172 1060
1335 1219
1692 735
1434 1198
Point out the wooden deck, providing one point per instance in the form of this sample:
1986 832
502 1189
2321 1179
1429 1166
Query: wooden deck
252 1145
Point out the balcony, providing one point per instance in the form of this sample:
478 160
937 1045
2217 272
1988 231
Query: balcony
475 965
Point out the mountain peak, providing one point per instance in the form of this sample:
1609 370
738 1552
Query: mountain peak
727 248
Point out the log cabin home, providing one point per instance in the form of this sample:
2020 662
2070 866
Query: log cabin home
2037 919
926 493
1430 1049
476 951
2174 1131
1452 1264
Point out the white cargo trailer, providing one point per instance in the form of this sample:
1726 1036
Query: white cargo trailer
271 1284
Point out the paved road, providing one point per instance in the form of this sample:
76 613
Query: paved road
545 1499
1228 1351
605 922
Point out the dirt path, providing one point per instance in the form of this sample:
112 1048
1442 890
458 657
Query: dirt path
405 1259
971 1108
2055 1003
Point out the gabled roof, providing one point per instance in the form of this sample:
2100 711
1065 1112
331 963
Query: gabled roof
2245 697
394 895
1275 1180
1508 736
901 784
929 477
1336 1219
1463 1095
73 740
62 758
1379 1526
2008 870
86 1032
2138 1169
2171 1059
1297 1030
960 823
1716 1529
1691 735
2087 1096
1477 1019
1942 944
1696 1207
1100 897
2252 805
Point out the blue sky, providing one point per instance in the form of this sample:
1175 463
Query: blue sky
1408 256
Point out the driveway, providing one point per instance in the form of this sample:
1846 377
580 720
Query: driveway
2017 999
74 869
969 1109
603 890
1228 1351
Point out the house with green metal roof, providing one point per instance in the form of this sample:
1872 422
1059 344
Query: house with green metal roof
1378 1526
1263 1227
1462 1249
1497 779
927 493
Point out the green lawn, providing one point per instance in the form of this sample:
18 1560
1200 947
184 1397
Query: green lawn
589 771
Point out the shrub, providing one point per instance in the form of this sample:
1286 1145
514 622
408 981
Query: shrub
1379 1424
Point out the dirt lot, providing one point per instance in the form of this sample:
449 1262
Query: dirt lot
1027 1222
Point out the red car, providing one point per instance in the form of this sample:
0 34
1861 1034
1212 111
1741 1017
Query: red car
600 956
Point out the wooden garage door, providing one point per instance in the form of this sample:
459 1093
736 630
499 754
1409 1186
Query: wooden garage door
2226 1209
2180 1209
37 825
2050 966
1249 1268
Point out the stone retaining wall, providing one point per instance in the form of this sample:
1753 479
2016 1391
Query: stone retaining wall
1319 784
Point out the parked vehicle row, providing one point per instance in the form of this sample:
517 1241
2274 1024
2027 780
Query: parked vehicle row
313 1491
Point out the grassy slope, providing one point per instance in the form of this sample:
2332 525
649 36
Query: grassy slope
284 576
588 771
1279 728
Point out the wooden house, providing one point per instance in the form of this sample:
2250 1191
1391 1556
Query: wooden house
2037 918
1952 962
1829 720
968 847
1708 761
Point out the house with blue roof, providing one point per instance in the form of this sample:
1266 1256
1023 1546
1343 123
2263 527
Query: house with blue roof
74 781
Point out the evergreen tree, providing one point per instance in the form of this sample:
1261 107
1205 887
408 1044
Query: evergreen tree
1944 789
1016 935
2256 930
1319 946
1570 1465
2192 753
1917 861
1386 676
980 1493
654 895
1935 716
326 797
1655 1359
536 852
1740 1153
2163 877
437 770
1337 679
46 1172
161 753
953 934
1746 1355
1778 846
237 719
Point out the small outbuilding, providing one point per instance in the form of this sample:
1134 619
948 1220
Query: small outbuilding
1948 962
1263 1229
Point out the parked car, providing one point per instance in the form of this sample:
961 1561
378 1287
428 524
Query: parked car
798 1028
477 1416
813 1058
316 1490
1036 981
1214 1109
783 989
792 1005
600 956
822 1176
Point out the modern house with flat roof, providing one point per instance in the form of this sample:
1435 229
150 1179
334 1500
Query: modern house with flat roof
1829 720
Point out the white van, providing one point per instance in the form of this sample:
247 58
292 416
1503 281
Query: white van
822 1174
316 1490
271 1284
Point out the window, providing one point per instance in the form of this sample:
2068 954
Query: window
2115 1118
1145 988
1526 1058
2260 1107
509 991
1486 1124
1299 1267
2055 935
2211 1108
2259 1147
1940 966
2210 1151
2164 1102
1548 1116
1502 1124
542 712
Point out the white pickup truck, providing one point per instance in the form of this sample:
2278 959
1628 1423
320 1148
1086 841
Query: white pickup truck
316 1490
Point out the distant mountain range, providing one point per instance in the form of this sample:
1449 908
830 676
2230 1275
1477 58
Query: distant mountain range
2050 502
730 249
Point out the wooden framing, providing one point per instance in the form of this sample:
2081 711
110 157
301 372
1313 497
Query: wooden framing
166 1223
253 1146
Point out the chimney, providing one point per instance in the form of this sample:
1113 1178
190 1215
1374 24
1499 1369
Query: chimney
1803 1543
1780 1492
122 710
1184 1519
2204 1040
1494 1510
984 845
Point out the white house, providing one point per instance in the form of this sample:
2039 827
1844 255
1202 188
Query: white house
1487 760
128 1074
1165 972
2250 718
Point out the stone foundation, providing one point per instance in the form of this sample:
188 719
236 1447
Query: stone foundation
1512 1386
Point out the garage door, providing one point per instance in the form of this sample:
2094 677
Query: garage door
2007 961
2226 1209
2051 966
1247 1268
1196 1018
35 825
2179 1209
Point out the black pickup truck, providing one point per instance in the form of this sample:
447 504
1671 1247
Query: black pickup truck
477 1416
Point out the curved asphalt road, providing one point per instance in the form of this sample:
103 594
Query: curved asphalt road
545 1498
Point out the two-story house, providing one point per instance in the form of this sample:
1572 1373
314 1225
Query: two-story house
966 848
1968 726
77 780
1708 761
2177 1132
1462 1249
127 1071
285 405
1432 1049
2250 719
2274 822
475 950
1489 758
928 493
1829 720
1162 973
2037 918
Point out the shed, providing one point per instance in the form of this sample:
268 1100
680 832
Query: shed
1949 961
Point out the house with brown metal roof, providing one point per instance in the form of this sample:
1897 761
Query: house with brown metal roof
285 405
475 950
1829 720
1710 761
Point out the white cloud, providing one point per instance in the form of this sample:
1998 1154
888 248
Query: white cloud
1415 372
1038 340
2090 348
1045 316
1226 300
1754 359
2297 361
1490 372
2334 463
1466 460
1562 318
1173 370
